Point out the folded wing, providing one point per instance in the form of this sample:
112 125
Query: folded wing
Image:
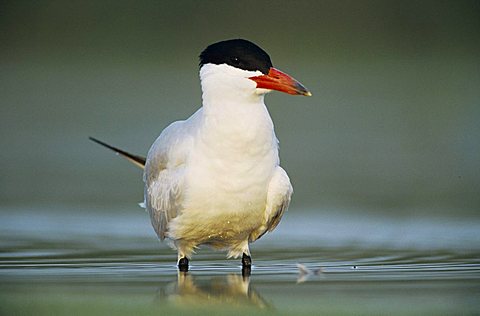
278 199
164 175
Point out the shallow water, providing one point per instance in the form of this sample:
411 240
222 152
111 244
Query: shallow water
94 262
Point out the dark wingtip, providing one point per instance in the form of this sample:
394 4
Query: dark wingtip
138 160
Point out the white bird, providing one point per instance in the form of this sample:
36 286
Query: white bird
215 177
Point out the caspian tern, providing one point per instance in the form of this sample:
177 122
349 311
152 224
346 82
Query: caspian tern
215 179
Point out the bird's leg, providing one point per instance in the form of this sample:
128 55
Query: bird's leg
246 265
183 255
246 260
183 264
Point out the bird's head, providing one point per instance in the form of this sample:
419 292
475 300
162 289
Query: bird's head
241 66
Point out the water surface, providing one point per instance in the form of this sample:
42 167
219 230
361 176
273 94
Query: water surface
83 261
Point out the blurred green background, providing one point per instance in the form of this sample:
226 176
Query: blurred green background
393 125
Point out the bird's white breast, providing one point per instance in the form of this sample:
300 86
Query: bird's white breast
234 161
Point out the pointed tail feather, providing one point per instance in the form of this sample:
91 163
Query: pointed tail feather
139 161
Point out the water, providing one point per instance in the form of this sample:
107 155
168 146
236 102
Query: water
94 261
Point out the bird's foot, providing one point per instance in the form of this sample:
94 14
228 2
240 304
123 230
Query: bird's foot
246 265
246 260
183 264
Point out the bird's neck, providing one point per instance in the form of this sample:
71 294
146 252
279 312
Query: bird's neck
229 98
241 119
225 86
225 104
236 121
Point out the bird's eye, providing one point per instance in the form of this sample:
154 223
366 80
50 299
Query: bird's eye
235 61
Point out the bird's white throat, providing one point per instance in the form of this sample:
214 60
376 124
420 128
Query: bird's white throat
234 113
224 84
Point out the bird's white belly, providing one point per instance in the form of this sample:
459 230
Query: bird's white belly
224 200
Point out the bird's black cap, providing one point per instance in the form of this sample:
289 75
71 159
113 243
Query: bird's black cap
238 53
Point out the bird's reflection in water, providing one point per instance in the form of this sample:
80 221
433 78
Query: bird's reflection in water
230 290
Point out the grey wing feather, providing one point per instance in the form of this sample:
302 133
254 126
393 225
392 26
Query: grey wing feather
164 175
272 221
163 199
278 199
277 216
